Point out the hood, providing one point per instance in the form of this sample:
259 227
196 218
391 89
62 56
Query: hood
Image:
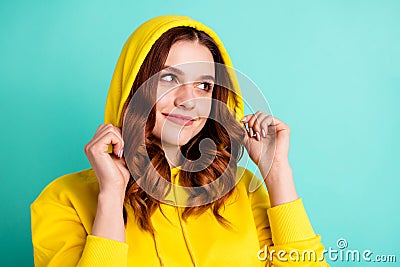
134 53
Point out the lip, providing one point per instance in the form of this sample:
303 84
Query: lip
179 119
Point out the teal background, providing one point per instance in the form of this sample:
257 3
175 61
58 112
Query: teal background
330 69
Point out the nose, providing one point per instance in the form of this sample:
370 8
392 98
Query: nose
185 97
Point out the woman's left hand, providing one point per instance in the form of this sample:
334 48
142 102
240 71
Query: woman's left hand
267 143
267 140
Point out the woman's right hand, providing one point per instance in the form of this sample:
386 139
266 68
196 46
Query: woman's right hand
113 177
110 169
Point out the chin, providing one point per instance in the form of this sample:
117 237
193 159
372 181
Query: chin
176 136
183 140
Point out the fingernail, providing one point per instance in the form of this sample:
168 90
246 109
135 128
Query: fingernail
251 132
258 136
122 153
263 133
119 153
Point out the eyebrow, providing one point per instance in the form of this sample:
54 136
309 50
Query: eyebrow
180 72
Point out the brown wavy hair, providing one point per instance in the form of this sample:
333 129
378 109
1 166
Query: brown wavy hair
147 160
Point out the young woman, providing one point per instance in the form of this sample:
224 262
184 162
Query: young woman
124 211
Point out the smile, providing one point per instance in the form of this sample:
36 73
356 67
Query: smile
179 119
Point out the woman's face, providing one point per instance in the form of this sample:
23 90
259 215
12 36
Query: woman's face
184 93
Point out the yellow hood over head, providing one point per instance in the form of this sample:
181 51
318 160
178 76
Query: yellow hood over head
134 53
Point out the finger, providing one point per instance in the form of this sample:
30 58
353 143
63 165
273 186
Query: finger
280 125
250 124
254 126
118 149
101 143
244 123
97 133
107 127
109 135
246 134
261 116
246 118
278 121
116 141
266 125
100 129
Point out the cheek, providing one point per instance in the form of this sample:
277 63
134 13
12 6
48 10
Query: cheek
204 107
202 122
158 124
159 120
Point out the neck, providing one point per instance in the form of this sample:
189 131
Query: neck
172 153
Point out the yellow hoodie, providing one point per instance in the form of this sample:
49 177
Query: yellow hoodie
63 214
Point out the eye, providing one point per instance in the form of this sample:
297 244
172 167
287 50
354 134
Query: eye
206 86
168 77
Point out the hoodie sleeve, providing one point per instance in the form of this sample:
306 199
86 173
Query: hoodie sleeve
285 233
60 238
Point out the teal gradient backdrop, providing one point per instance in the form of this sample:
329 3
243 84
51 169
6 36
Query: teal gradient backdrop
330 69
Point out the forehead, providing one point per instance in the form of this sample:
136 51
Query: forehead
185 53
